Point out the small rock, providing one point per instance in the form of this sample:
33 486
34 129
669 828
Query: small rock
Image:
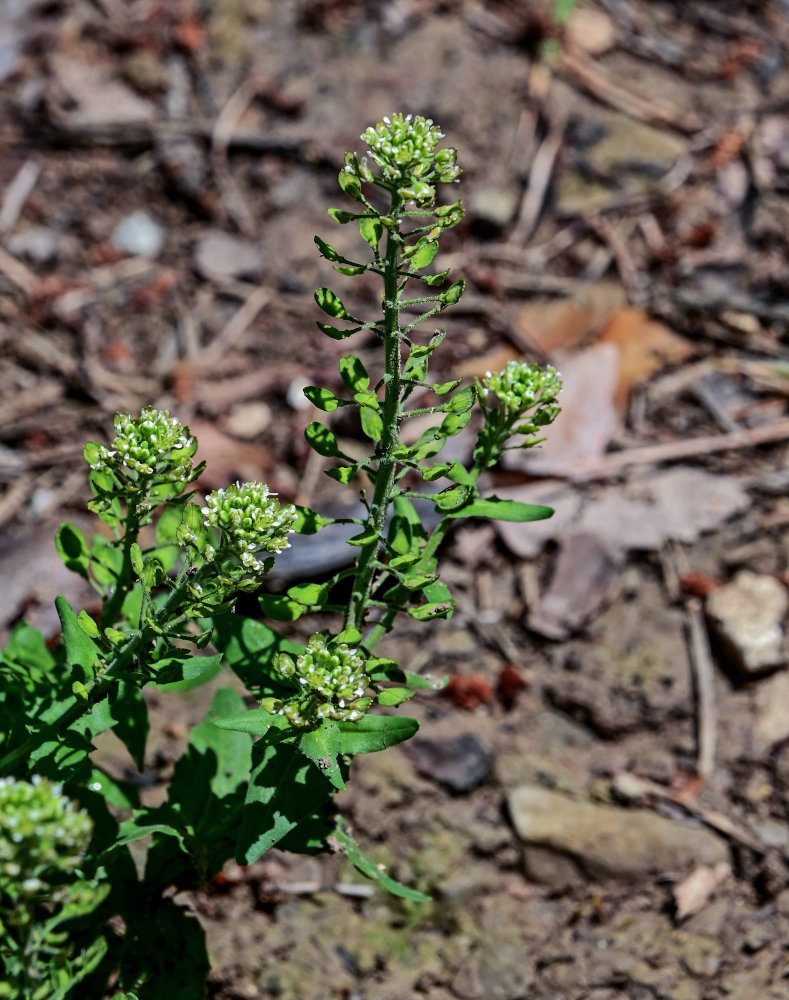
37 243
604 842
771 721
247 420
746 617
591 30
220 256
138 235
584 578
460 763
492 208
770 220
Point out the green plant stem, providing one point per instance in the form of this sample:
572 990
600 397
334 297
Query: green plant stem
113 607
386 466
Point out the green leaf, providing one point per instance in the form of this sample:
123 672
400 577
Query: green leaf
80 649
341 216
423 254
459 474
324 399
462 401
322 745
331 303
353 373
173 943
335 333
365 537
435 279
350 269
371 231
393 696
350 184
432 472
444 387
452 499
256 722
88 625
453 423
504 510
131 712
308 522
135 554
367 398
342 473
399 537
182 673
310 594
375 732
453 293
426 612
284 788
367 867
372 423
249 648
72 549
280 608
321 439
325 250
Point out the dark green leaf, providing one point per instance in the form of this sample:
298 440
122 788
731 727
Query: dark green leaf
175 673
322 745
342 473
367 867
321 439
353 373
308 522
280 608
393 696
331 303
283 789
173 945
335 333
324 399
325 250
341 216
462 401
256 722
131 712
350 269
453 423
504 510
453 293
80 649
371 231
375 732
249 649
310 594
350 184
73 549
372 423
444 387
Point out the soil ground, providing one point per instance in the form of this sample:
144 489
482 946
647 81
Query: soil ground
164 169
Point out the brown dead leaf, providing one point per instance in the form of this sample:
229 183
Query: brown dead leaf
227 459
564 324
493 361
645 347
692 893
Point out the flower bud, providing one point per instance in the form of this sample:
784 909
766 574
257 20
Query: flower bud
332 681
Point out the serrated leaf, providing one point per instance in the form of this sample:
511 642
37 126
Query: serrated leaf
453 293
367 867
324 399
353 373
504 510
322 746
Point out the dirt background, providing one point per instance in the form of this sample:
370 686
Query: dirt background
599 803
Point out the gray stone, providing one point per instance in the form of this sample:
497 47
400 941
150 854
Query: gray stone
771 715
139 235
460 763
567 841
220 256
746 617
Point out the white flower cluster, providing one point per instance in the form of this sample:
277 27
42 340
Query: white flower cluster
404 147
251 521
151 445
520 387
332 679
40 830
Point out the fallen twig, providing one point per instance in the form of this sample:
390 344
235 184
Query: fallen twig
701 663
613 463
226 122
539 179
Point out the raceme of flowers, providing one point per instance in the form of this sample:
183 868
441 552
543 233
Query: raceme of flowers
251 521
332 681
151 446
520 387
42 831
